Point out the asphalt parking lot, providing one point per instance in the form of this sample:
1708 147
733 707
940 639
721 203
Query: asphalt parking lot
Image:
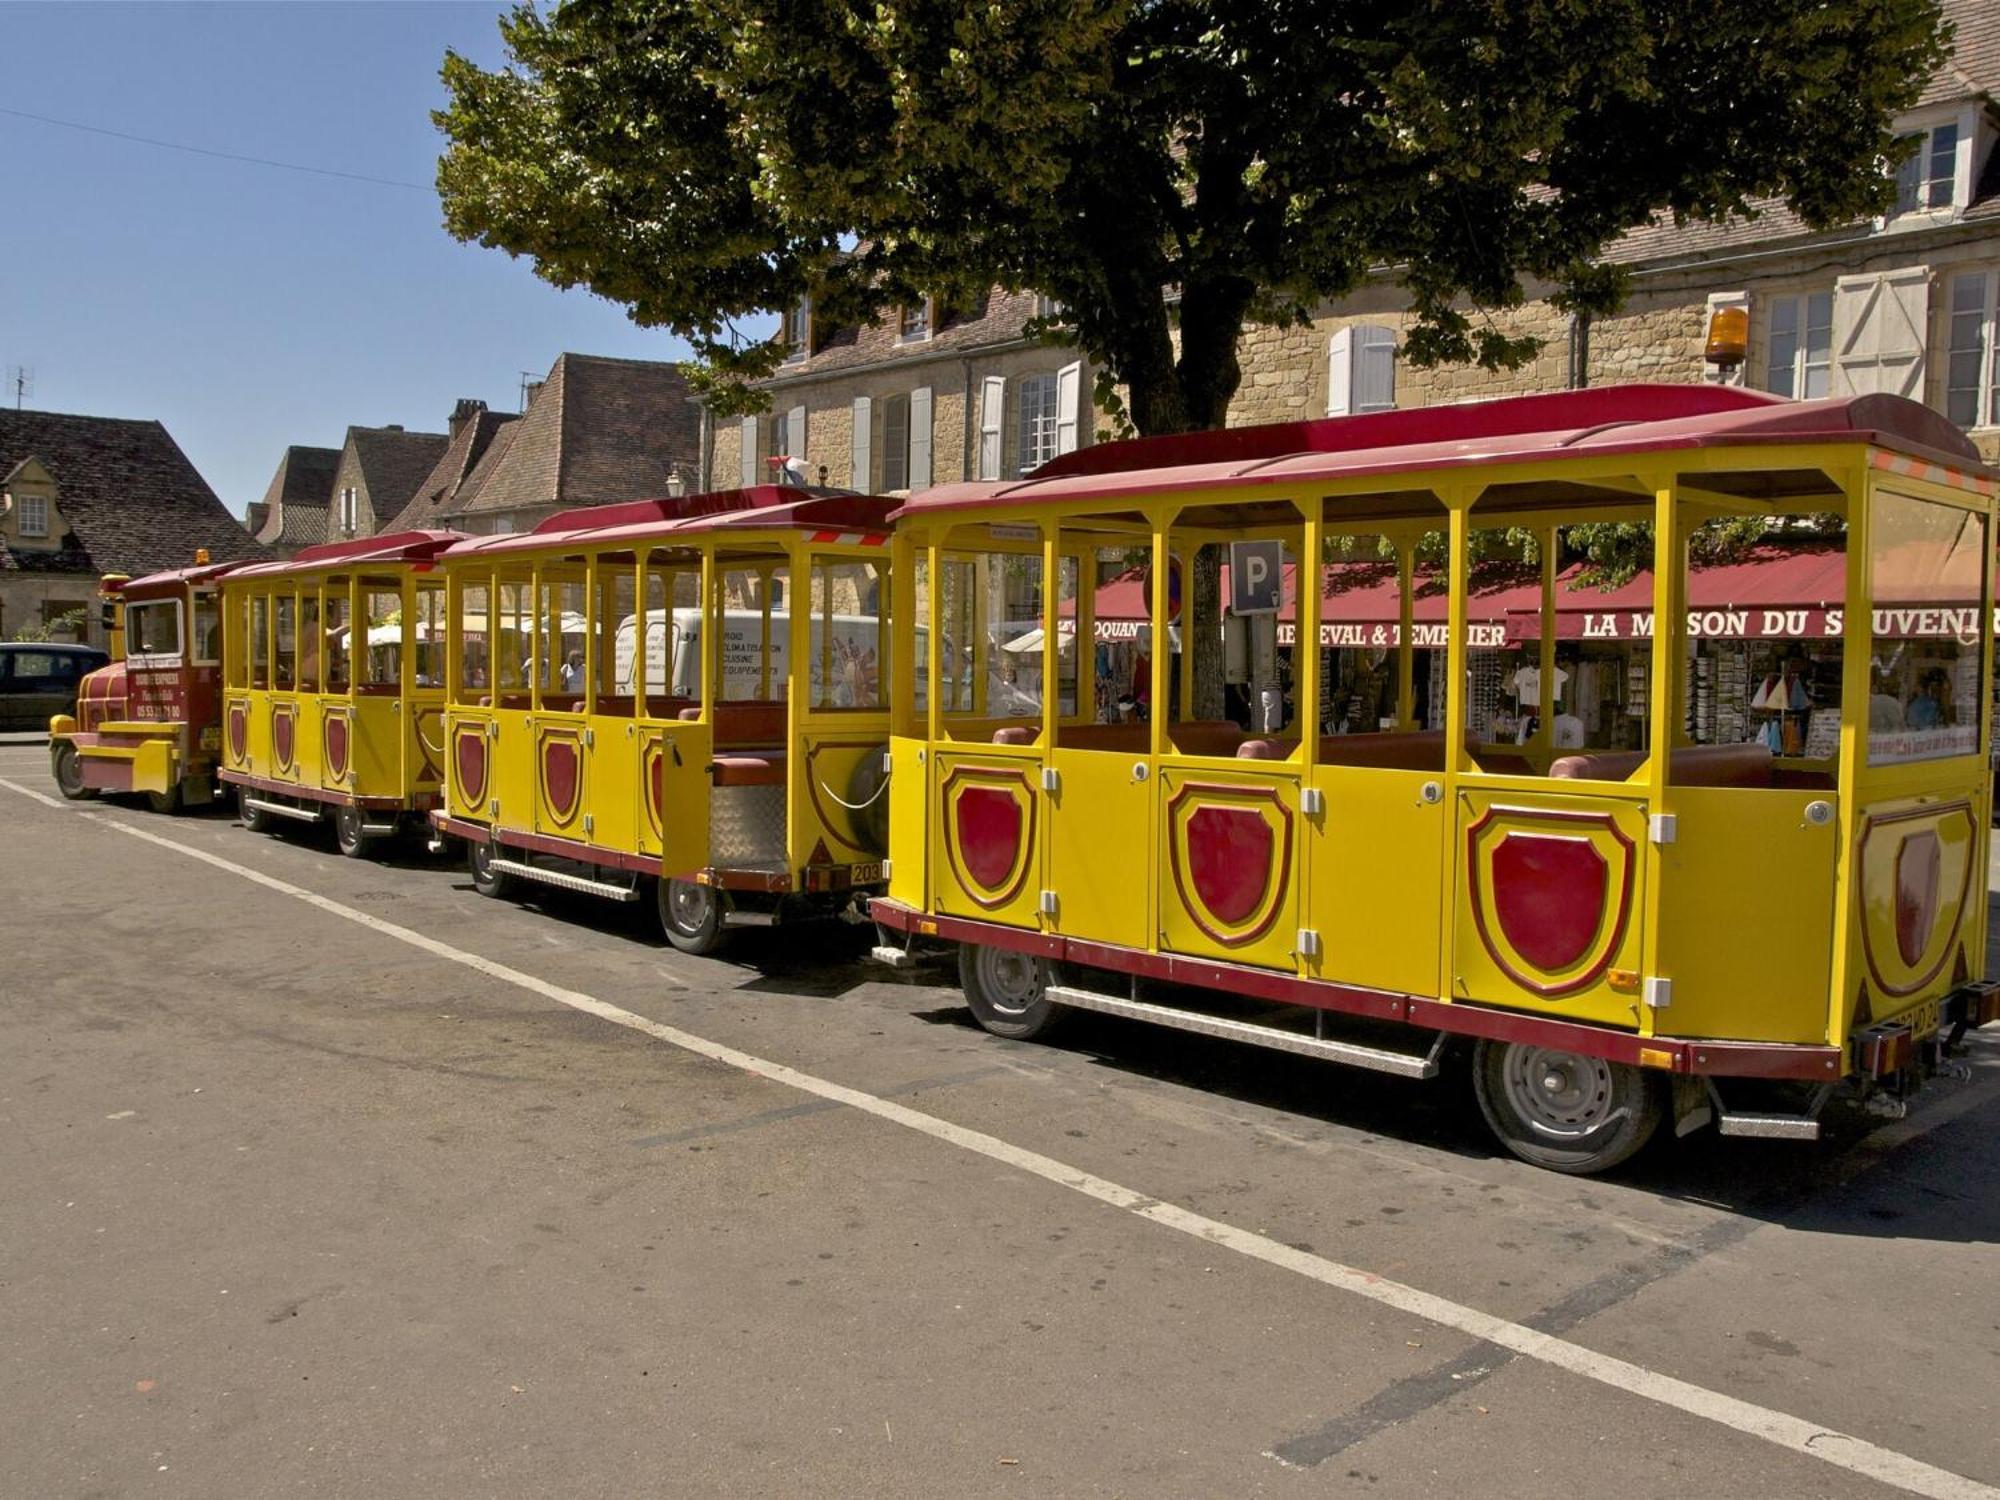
330 1177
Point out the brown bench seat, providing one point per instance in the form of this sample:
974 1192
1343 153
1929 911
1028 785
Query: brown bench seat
1747 765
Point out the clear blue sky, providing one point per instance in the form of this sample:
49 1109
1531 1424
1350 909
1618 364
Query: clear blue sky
247 307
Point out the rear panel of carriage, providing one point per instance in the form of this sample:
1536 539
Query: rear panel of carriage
680 701
333 703
1663 921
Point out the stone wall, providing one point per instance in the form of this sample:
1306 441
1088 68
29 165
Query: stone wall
23 596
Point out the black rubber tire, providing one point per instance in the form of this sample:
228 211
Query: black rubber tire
347 835
1593 1114
67 767
165 803
1004 989
485 879
255 820
691 916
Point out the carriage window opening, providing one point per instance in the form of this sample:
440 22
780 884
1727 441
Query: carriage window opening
560 629
513 635
1069 585
1260 669
207 630
755 645
640 652
1926 572
153 629
475 622
285 649
236 659
309 642
382 619
429 642
920 654
260 639
991 605
334 631
847 639
614 627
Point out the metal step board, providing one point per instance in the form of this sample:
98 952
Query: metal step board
566 881
310 814
1769 1127
1354 1054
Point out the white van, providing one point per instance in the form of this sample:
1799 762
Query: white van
674 636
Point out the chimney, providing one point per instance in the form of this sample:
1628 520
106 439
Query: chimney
467 410
393 427
255 515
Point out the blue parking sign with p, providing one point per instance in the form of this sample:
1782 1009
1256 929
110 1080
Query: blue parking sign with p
1256 577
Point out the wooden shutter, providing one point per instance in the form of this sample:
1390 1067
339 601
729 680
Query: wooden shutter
992 403
920 439
1069 405
1374 386
795 433
1340 374
747 460
1879 325
863 475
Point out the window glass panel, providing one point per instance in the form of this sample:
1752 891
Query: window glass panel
640 656
153 629
284 671
896 443
756 639
382 620
334 628
309 639
475 666
236 668
848 667
561 626
1818 372
1037 440
615 626
1909 177
429 643
260 639
1781 374
207 629
513 634
1926 564
1942 171
1069 581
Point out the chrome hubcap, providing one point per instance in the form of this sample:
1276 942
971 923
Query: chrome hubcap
688 904
1559 1094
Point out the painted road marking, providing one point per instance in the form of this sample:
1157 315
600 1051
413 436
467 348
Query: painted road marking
1780 1429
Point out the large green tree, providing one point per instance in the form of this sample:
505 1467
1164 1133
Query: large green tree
1170 170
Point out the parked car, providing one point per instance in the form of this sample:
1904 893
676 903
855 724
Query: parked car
39 679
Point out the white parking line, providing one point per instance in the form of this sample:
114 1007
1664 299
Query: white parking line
1778 1428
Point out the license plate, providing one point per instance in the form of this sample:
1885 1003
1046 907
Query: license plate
869 874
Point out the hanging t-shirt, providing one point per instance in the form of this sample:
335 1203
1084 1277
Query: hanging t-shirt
1528 684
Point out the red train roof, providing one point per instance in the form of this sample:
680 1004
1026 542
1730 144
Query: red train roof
174 579
1613 420
763 508
390 547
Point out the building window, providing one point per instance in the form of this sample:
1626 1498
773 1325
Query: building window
914 322
1929 177
1049 309
34 515
348 511
1038 421
798 331
1971 395
896 443
1801 355
1361 370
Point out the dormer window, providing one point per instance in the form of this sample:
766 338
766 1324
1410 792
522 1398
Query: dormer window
1937 174
34 515
349 511
914 322
798 331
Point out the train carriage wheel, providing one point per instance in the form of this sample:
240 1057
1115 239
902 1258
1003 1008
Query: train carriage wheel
166 803
691 916
68 768
1004 989
347 834
1562 1110
255 819
485 879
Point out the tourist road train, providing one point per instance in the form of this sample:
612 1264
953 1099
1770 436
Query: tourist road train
775 703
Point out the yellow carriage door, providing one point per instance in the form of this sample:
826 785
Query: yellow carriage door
469 728
657 661
424 743
563 739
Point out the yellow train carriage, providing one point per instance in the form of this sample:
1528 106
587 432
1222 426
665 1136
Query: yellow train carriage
333 696
680 699
1635 908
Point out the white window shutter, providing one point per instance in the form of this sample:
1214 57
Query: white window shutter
1374 385
795 433
1879 325
992 405
1340 374
863 476
1069 406
747 459
920 439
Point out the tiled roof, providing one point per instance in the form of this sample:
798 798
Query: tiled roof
393 463
598 431
296 500
1974 64
127 492
296 525
1000 318
450 478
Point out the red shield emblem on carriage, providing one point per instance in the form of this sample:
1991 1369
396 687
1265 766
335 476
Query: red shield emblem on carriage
334 735
1919 862
468 753
283 724
1551 894
989 832
239 730
562 775
1230 848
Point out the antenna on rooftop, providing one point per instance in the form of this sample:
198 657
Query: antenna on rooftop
22 379
529 385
